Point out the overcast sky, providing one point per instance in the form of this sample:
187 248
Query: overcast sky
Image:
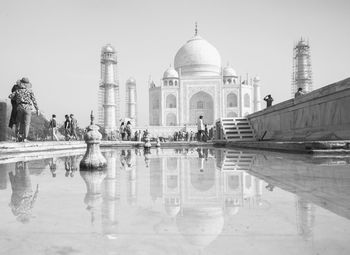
57 44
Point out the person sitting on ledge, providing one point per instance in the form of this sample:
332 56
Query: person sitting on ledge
268 100
299 93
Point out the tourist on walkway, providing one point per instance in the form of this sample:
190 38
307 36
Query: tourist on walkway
299 93
14 105
53 128
73 127
25 99
268 100
67 128
128 131
200 128
122 131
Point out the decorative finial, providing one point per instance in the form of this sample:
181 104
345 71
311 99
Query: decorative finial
92 118
196 29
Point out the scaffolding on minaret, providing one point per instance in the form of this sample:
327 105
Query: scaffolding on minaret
302 71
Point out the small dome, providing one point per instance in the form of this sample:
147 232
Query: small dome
108 49
170 73
302 42
131 80
229 71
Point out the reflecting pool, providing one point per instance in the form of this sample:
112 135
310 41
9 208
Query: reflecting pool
175 201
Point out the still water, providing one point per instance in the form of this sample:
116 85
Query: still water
175 201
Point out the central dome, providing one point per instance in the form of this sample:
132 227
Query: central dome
198 57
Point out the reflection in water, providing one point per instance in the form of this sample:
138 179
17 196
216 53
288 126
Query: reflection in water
23 196
195 193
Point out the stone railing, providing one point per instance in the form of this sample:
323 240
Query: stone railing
322 114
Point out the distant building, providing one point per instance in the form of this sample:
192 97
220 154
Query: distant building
108 96
302 72
130 100
199 85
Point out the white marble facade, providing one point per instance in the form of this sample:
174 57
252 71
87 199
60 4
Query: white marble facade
199 85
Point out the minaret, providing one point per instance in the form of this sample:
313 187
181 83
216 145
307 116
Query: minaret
131 98
108 90
302 73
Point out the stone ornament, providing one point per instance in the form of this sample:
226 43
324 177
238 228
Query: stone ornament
93 158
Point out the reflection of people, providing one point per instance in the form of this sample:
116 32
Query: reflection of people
53 167
23 197
269 187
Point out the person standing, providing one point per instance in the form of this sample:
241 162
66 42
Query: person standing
53 128
14 105
73 126
268 100
299 93
200 128
128 131
25 99
67 128
122 131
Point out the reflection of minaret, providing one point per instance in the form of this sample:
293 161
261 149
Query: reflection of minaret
131 100
305 218
131 179
156 179
93 197
111 197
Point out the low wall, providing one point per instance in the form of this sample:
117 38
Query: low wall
323 114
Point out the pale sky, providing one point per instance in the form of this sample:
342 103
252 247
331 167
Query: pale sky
57 44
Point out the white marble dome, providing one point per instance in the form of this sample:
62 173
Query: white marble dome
108 49
229 71
198 57
170 73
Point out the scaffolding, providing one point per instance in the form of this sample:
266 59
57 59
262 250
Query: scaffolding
302 71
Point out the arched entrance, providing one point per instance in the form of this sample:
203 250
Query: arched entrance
201 103
171 119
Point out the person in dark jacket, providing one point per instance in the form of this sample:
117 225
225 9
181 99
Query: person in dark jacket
14 105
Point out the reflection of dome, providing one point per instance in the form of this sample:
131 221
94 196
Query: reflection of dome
108 49
229 71
172 210
131 80
170 73
256 79
302 42
202 181
199 56
200 226
230 211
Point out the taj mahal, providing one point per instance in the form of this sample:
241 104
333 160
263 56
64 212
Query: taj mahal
197 84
